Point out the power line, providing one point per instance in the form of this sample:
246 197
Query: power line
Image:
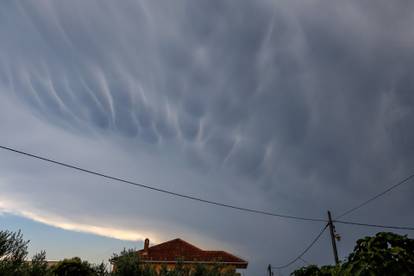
375 225
304 251
342 222
376 196
171 193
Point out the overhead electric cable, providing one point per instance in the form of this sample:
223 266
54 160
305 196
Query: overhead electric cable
376 196
342 222
304 251
375 225
171 193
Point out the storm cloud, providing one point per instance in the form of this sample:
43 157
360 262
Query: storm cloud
289 106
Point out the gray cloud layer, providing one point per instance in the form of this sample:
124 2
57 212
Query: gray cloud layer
289 106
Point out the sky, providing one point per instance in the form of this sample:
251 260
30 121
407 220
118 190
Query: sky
295 107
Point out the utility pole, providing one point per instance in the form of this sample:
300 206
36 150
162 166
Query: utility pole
333 238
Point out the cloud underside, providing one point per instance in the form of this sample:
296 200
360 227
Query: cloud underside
268 104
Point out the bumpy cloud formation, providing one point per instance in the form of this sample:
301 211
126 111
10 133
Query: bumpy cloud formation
289 106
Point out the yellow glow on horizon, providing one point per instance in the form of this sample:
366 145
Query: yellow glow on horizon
59 222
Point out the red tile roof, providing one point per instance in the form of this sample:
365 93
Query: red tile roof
179 250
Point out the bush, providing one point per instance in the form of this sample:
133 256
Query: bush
126 263
73 267
13 252
383 254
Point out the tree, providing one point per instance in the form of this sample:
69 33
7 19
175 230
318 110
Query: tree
148 271
200 270
126 263
38 265
13 252
100 270
383 254
73 267
314 270
180 269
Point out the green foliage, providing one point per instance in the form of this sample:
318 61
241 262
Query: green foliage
383 254
73 267
13 251
307 271
313 270
38 265
164 270
180 270
200 270
126 263
100 270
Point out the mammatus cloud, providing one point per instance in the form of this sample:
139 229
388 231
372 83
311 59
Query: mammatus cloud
271 105
70 200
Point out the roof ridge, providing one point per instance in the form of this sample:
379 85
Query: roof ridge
174 240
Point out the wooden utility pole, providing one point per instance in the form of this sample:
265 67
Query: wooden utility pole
333 238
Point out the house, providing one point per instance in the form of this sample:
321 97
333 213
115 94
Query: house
170 253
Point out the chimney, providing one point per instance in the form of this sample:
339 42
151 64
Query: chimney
146 246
